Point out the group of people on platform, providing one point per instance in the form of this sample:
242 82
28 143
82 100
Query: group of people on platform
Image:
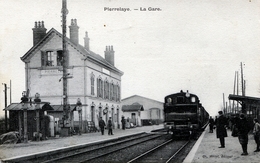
102 125
240 128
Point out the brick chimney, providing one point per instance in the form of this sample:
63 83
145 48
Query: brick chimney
109 55
86 40
74 31
39 32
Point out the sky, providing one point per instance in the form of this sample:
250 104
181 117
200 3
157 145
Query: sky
194 45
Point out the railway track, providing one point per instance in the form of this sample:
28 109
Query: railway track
163 153
100 152
49 155
156 147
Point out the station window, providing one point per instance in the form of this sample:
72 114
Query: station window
92 79
106 90
51 58
118 93
112 92
59 58
100 88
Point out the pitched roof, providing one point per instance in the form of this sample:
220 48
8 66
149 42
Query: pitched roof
87 54
140 97
126 108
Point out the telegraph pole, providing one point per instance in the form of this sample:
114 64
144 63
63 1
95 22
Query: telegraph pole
242 80
243 89
234 90
65 62
224 103
10 91
237 88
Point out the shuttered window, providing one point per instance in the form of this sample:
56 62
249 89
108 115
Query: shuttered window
111 91
99 88
92 81
118 93
106 90
52 58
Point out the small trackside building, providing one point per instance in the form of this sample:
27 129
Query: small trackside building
142 111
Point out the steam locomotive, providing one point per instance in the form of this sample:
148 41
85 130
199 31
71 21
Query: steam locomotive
184 115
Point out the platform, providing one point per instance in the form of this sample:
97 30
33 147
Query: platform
34 147
206 150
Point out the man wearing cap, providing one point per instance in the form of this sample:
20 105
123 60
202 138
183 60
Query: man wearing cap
102 125
243 130
221 124
256 132
109 126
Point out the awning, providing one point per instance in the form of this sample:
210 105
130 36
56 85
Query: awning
73 107
45 106
57 107
132 108
20 106
60 107
246 99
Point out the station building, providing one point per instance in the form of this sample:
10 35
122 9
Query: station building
91 78
142 111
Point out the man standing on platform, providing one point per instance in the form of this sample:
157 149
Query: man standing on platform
256 132
243 130
221 124
102 125
211 124
123 123
110 125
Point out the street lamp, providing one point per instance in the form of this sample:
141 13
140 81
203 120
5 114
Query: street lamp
79 109
25 107
37 101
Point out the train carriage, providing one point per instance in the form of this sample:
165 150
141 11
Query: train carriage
184 115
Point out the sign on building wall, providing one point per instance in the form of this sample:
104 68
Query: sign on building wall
54 72
51 72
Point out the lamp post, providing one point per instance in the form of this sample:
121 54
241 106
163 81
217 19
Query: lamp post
24 107
37 101
79 108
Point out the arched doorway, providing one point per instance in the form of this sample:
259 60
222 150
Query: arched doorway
93 113
106 114
100 111
112 116
117 117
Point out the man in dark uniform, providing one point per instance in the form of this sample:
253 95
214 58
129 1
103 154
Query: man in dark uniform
110 125
123 123
243 130
102 125
211 124
221 124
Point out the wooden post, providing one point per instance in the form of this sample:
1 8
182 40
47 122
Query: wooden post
20 122
25 134
37 123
